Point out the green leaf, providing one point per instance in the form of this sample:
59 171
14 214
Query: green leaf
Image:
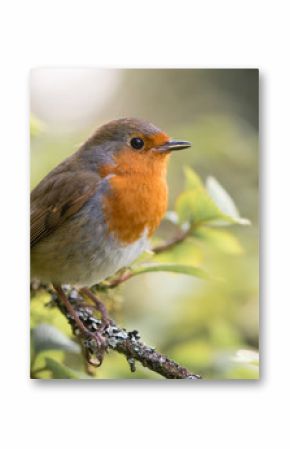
46 337
224 201
188 252
172 268
197 207
220 239
60 371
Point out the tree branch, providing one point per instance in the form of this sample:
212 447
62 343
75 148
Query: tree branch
112 336
115 338
168 245
128 343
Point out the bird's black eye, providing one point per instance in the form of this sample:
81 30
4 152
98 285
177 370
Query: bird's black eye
137 143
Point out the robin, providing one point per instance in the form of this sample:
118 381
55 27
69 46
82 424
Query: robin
94 213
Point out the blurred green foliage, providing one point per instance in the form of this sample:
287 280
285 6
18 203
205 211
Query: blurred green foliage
206 319
198 212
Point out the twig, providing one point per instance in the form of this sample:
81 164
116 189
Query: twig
127 274
117 339
134 349
168 245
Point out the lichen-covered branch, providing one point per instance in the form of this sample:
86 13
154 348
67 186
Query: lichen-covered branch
104 336
133 349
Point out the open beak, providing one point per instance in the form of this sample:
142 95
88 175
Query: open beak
173 145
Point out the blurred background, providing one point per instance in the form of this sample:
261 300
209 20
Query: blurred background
210 327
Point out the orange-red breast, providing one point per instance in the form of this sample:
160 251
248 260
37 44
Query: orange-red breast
94 213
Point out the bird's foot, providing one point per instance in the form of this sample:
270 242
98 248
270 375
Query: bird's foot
100 306
93 341
95 347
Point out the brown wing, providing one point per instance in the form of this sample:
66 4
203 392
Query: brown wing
59 196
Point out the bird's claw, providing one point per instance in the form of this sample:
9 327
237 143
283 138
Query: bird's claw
95 345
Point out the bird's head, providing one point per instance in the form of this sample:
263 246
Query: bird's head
128 145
